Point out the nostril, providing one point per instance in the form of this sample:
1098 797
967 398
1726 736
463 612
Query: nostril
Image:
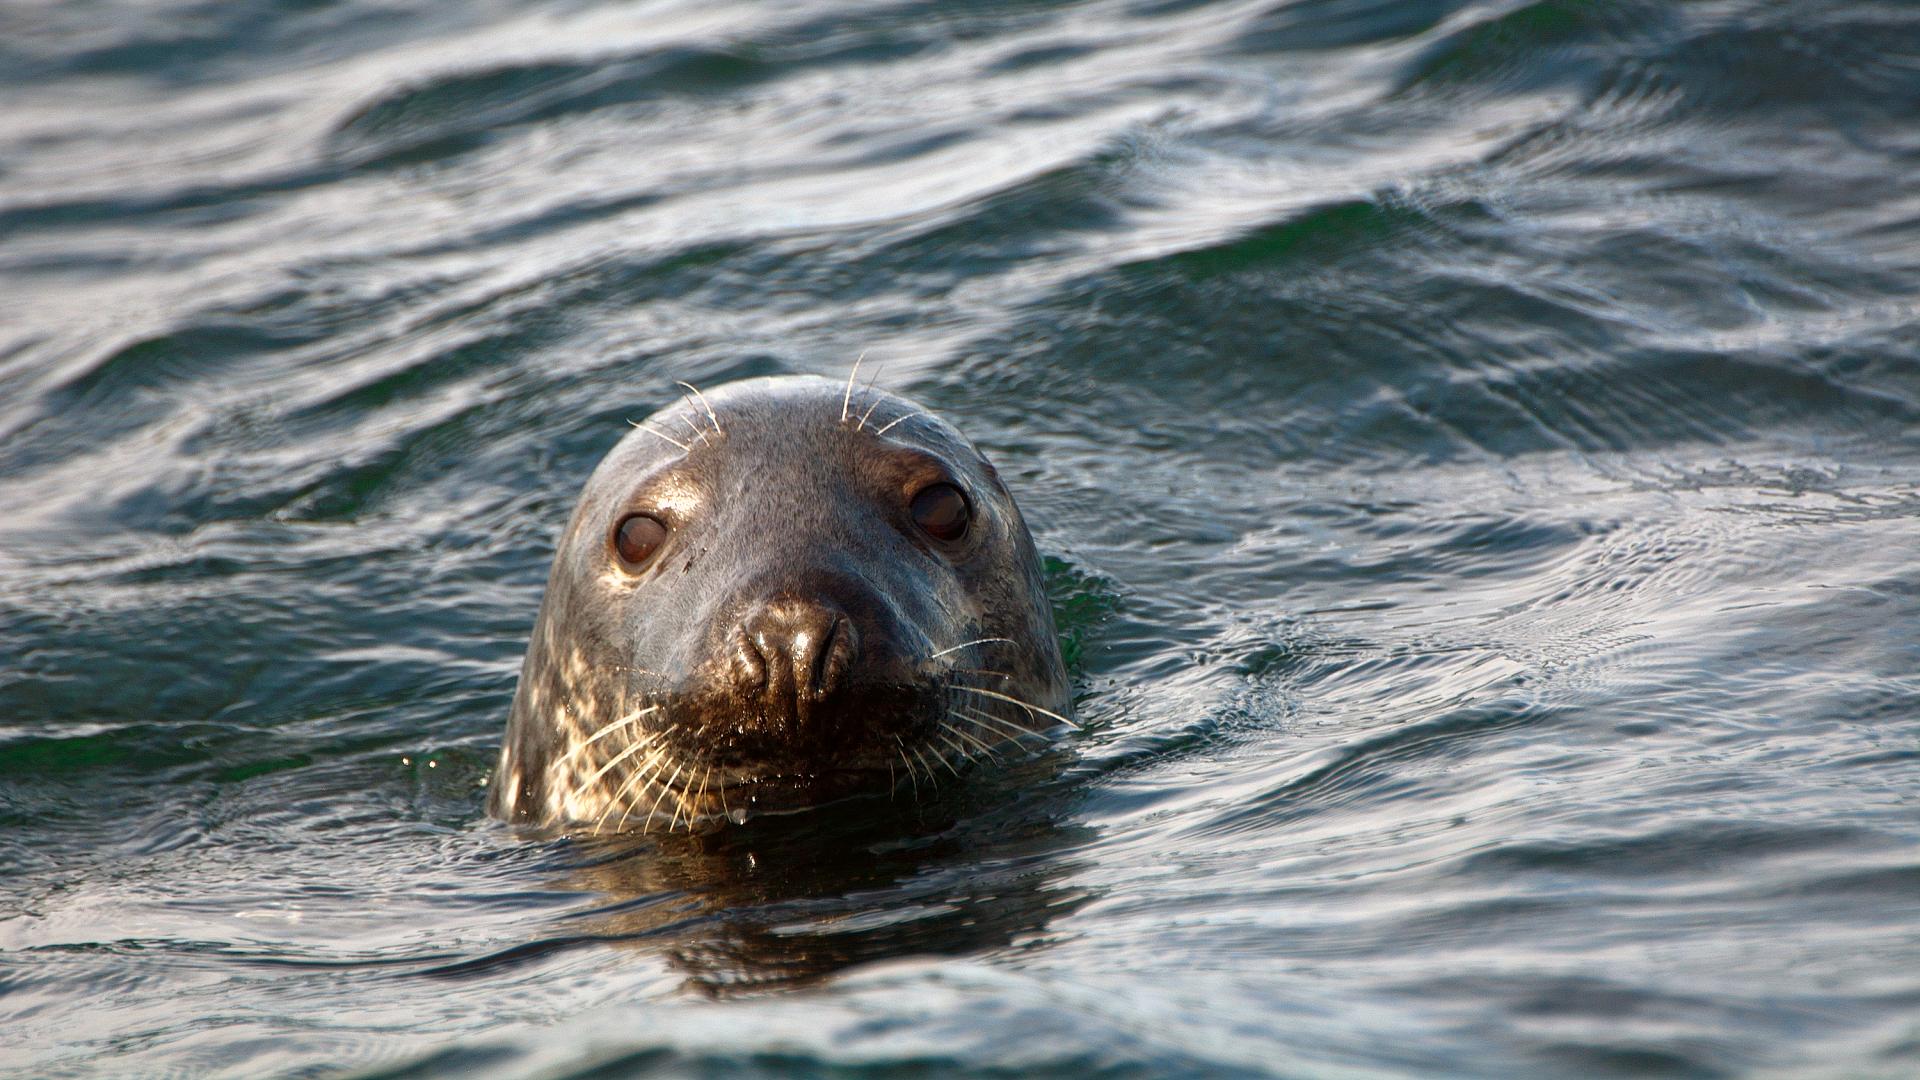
810 656
832 655
749 660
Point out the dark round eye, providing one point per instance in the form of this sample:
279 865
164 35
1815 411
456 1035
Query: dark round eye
638 537
941 511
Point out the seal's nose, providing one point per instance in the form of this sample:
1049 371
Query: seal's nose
794 652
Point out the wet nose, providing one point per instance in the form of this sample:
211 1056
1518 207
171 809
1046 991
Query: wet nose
794 652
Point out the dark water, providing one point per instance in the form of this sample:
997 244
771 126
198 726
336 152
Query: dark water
1476 448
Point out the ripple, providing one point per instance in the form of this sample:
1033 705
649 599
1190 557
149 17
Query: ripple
1471 445
455 113
1701 848
1335 24
1529 43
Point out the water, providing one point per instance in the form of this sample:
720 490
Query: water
1476 447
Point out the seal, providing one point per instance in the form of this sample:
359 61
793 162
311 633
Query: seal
774 595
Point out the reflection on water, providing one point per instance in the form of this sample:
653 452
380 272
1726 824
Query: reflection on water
1473 447
785 903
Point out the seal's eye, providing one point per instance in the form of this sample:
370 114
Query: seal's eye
941 510
638 537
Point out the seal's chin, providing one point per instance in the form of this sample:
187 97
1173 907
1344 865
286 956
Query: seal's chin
790 792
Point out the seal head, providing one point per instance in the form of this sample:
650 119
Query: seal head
772 595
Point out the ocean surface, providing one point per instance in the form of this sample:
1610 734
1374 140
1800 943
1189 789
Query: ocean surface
1475 447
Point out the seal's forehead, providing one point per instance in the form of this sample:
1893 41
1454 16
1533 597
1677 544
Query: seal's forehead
809 400
795 414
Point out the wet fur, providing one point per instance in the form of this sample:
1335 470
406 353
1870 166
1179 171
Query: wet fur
624 717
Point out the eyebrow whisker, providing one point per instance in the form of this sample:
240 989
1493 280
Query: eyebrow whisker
895 420
703 404
846 399
874 378
644 426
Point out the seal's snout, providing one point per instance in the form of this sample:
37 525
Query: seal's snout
794 652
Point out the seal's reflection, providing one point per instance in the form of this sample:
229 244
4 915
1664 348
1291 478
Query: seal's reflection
784 901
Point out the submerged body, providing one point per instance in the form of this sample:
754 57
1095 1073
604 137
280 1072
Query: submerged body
777 594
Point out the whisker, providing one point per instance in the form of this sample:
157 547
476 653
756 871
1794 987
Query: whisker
699 433
983 671
964 644
638 745
703 404
975 740
637 781
1005 724
1031 708
679 804
647 768
607 729
846 399
932 777
644 426
912 777
654 780
655 808
874 378
947 761
705 774
895 420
